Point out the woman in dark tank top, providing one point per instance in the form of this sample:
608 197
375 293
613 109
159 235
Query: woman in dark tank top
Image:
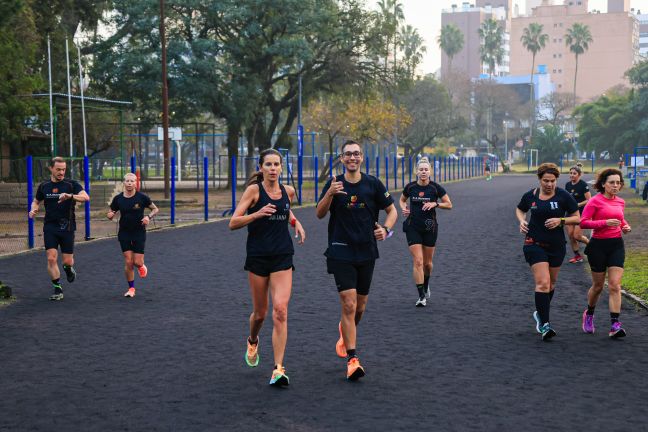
265 210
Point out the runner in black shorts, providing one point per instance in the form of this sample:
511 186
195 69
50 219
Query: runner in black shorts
354 200
132 228
487 170
420 226
581 193
544 242
604 214
269 256
60 196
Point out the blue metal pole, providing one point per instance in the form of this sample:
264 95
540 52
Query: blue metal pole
445 169
206 185
395 172
529 162
378 166
133 163
315 176
593 162
561 163
30 198
367 164
173 170
387 172
410 169
234 180
86 178
402 172
300 177
330 166
434 161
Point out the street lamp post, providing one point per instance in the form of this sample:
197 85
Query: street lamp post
165 103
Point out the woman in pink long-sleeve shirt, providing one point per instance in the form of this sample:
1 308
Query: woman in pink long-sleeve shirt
604 215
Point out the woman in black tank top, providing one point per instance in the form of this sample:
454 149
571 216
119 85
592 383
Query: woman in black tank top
265 210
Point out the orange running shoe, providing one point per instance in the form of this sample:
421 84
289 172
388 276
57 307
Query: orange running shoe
252 354
130 293
143 271
354 369
340 349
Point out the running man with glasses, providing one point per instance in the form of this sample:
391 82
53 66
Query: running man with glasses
354 200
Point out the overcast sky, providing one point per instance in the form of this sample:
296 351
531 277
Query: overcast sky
425 15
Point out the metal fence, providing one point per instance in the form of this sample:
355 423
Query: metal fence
199 192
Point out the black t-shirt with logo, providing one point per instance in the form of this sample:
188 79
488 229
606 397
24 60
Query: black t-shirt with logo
353 216
58 217
577 190
131 211
418 195
555 207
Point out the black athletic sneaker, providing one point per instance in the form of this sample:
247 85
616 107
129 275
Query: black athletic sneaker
70 273
547 331
58 294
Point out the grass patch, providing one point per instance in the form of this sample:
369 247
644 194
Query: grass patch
635 275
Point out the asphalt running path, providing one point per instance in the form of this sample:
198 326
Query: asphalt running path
172 358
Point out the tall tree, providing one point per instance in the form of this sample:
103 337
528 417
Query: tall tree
411 44
534 40
391 16
491 35
451 41
19 76
578 38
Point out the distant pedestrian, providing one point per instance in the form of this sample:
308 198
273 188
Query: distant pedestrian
581 193
604 214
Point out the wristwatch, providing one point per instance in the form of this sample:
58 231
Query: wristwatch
389 232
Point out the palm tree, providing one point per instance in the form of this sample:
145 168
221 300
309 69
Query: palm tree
492 41
451 41
533 40
411 43
392 15
578 38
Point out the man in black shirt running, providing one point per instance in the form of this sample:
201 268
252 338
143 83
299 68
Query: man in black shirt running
354 201
60 196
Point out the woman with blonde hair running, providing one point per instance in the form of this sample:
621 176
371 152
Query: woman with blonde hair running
420 226
265 210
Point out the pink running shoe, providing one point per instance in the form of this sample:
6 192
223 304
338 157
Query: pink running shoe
130 293
588 323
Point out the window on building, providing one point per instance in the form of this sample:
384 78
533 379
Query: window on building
559 85
559 55
559 70
554 71
554 55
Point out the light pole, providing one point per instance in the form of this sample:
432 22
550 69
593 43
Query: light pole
165 103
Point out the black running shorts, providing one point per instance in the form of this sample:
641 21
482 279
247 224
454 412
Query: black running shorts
535 253
132 241
64 239
264 265
422 237
351 275
604 253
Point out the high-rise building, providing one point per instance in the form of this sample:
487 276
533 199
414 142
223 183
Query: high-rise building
613 50
468 18
643 34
